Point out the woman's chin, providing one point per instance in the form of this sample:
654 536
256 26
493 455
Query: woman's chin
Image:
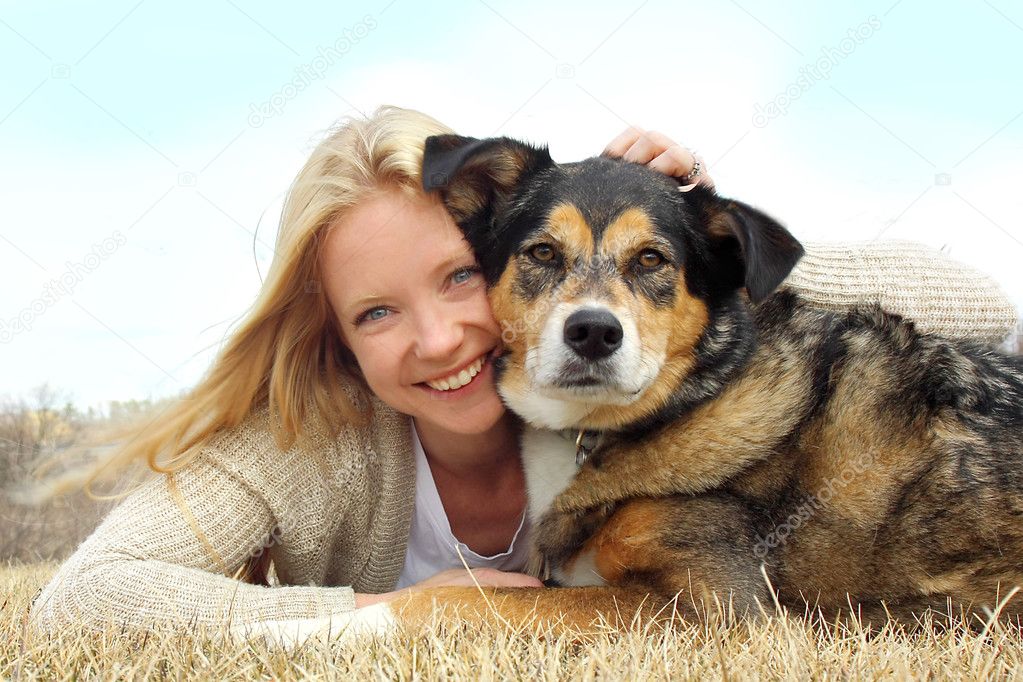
466 420
474 424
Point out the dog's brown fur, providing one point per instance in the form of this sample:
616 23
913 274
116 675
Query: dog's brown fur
853 460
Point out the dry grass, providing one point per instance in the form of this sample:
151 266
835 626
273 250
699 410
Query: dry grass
781 648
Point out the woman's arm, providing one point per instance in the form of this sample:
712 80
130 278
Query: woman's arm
145 566
939 294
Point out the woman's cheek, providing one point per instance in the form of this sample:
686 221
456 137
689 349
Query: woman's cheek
380 362
486 312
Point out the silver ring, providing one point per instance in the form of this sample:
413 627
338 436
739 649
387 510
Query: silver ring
695 173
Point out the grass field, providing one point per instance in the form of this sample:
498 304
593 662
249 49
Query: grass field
779 648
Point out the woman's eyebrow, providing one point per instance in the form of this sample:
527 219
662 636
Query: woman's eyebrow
447 265
362 303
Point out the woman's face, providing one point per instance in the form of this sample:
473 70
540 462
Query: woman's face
413 309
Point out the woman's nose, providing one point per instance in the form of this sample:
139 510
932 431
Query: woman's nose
439 335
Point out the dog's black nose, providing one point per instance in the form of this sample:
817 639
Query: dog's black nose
593 333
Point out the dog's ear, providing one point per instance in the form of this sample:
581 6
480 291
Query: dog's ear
475 177
751 246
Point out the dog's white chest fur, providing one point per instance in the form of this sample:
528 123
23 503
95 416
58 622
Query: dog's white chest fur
549 462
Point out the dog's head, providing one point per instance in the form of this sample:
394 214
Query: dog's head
603 276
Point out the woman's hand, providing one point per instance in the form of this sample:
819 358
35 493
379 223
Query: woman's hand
662 154
455 577
487 577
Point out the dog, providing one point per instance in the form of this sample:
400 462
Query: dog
699 436
731 431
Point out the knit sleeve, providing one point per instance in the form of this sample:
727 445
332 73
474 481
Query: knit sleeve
939 294
145 566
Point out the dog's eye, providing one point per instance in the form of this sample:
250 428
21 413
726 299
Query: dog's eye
649 258
543 253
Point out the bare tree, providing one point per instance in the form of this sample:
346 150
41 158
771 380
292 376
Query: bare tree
32 432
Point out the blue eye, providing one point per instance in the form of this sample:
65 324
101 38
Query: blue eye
464 275
374 314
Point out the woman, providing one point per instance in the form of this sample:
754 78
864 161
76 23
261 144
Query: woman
350 430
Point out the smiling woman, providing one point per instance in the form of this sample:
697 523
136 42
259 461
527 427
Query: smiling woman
349 432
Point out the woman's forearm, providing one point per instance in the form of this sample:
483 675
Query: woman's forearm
144 565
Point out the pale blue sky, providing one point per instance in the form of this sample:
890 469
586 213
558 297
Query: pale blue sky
132 122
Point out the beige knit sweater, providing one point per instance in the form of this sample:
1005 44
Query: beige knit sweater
335 517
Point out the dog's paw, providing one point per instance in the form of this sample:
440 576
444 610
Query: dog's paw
561 534
370 621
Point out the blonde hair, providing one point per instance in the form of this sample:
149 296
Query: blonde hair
287 352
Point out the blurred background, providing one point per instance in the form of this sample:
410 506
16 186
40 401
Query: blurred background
146 146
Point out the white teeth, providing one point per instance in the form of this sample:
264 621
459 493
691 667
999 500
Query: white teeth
458 380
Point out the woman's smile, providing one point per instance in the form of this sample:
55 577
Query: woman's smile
463 382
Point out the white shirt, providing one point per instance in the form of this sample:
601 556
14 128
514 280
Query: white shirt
432 546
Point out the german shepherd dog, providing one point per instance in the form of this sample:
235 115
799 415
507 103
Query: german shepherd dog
698 432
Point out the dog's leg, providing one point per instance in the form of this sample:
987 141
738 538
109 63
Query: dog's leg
701 548
746 424
578 611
